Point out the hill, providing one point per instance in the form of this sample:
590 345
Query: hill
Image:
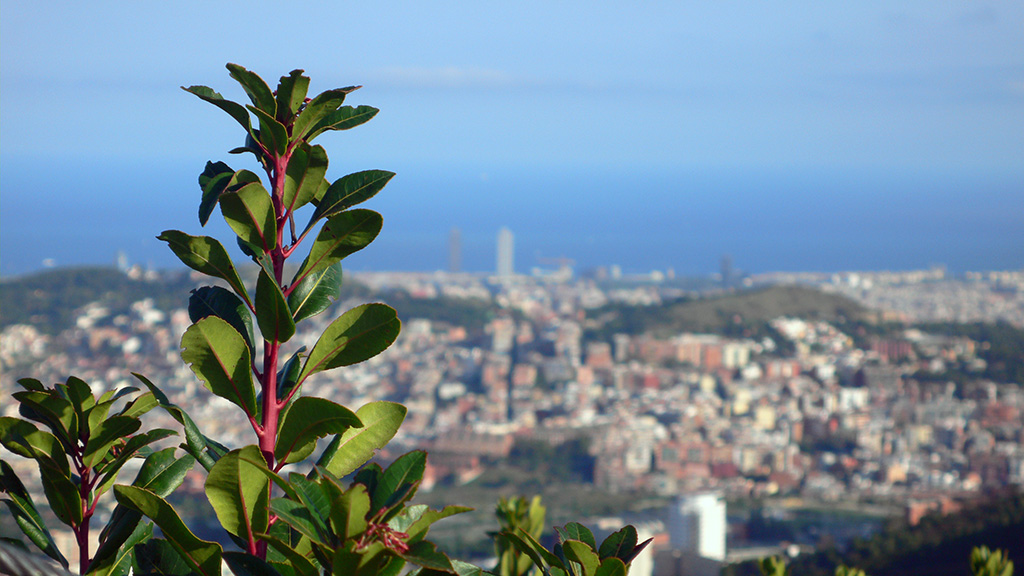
737 314
48 300
937 546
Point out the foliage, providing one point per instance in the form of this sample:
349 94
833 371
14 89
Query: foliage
517 513
285 522
577 552
985 562
79 459
774 566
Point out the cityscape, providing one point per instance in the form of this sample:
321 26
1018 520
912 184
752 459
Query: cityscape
803 409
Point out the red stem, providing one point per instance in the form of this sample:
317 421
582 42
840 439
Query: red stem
81 531
267 430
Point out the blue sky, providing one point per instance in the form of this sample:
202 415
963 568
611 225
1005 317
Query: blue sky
491 88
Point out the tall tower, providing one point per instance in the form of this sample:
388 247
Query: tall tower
506 253
455 251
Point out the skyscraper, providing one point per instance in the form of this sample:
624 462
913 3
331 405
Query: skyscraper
506 253
455 251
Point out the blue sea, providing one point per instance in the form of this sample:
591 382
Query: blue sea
642 219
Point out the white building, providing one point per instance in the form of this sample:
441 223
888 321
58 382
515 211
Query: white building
697 524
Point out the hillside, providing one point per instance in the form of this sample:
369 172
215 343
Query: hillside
737 314
48 300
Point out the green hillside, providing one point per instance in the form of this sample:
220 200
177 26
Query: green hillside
48 300
737 314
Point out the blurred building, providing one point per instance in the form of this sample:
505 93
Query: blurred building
697 525
455 251
506 253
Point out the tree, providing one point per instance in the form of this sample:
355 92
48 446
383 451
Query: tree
284 521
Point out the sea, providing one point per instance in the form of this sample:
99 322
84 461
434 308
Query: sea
683 219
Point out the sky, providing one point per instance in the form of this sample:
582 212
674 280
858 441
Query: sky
546 107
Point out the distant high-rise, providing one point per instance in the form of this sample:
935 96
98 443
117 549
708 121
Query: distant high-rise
506 253
697 524
727 272
455 251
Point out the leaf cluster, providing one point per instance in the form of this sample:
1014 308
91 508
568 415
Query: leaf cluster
83 445
576 553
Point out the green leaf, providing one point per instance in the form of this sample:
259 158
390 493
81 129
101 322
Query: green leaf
218 356
272 312
314 498
51 409
242 564
236 110
140 405
424 553
202 556
256 254
288 375
291 94
349 512
637 550
542 554
357 335
343 234
350 190
97 414
582 554
356 446
161 473
31 384
308 419
119 561
206 255
272 135
222 303
110 431
255 87
62 494
343 118
319 107
249 212
213 181
240 494
419 528
301 564
611 567
158 557
406 469
80 394
619 545
298 517
517 541
306 170
201 447
109 470
24 439
316 292
25 514
577 531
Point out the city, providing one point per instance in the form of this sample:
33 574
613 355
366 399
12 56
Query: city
797 409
